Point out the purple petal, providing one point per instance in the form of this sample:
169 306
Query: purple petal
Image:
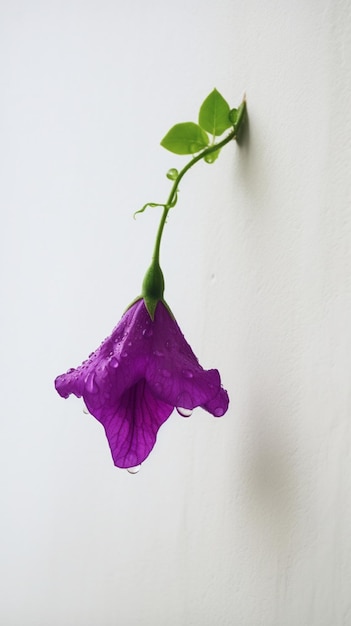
174 373
218 405
115 366
132 427
132 382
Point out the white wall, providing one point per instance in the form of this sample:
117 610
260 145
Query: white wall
243 521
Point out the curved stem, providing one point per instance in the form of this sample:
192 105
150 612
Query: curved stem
172 198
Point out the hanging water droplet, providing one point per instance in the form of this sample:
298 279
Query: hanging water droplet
172 173
184 400
188 373
134 470
113 362
184 412
85 410
218 412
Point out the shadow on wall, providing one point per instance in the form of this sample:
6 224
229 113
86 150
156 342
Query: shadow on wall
253 174
268 471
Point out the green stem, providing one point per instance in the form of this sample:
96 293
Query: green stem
172 198
153 283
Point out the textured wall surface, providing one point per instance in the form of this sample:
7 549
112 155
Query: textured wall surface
242 521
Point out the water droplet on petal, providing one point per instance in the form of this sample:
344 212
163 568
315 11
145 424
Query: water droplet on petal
158 387
166 373
218 412
85 410
147 332
188 374
158 353
102 370
90 383
184 412
113 362
124 355
134 470
184 400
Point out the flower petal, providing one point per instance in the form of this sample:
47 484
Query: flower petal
131 428
132 382
174 373
218 405
115 366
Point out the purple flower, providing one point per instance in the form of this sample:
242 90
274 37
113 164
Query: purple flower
135 379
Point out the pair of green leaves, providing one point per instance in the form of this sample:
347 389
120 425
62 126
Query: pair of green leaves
215 116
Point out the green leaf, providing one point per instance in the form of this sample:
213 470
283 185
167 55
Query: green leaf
214 114
185 138
233 116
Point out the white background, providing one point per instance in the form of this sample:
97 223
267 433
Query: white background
239 521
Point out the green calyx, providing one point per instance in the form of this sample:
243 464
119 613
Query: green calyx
153 287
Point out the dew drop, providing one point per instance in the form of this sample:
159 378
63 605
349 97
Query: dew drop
172 173
90 383
210 158
184 400
113 362
124 355
158 353
102 370
188 374
158 387
85 410
134 470
147 332
218 412
184 412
